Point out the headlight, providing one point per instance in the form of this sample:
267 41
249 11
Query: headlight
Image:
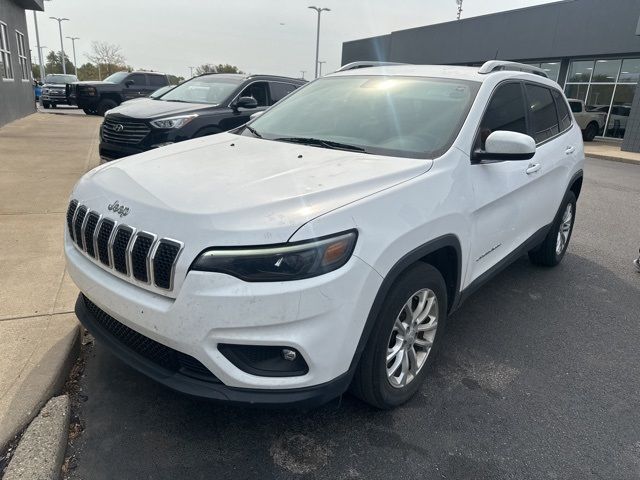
173 122
276 263
45 90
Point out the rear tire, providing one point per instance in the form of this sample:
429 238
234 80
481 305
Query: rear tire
89 111
106 105
379 376
590 132
551 251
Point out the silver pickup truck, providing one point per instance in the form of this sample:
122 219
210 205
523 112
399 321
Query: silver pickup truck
591 122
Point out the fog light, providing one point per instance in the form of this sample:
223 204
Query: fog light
266 360
289 355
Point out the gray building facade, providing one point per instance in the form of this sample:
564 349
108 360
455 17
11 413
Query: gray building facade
590 47
16 85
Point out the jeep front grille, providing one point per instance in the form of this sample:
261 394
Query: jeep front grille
124 130
138 255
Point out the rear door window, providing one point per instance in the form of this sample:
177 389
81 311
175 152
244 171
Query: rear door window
543 117
563 112
157 80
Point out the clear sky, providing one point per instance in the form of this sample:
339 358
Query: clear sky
259 36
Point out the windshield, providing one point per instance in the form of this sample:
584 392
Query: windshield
211 89
397 116
116 77
60 79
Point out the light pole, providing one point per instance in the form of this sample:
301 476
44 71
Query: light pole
73 42
320 65
303 72
43 71
191 68
319 10
459 2
60 20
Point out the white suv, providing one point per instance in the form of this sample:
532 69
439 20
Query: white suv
323 245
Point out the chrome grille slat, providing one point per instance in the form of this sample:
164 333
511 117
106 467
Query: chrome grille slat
133 131
140 256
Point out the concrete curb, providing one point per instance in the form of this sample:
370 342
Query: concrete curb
612 159
41 450
43 381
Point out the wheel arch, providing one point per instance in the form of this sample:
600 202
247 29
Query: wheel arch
575 185
443 253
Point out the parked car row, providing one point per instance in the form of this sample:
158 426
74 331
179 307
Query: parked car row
203 105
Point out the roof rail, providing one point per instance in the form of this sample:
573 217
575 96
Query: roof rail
356 65
500 65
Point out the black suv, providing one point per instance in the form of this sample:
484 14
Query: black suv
96 98
203 105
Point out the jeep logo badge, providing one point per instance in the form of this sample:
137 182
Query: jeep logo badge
118 127
121 210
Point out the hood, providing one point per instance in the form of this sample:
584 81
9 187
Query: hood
60 86
233 190
93 83
150 108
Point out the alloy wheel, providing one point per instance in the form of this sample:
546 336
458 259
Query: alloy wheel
412 337
565 229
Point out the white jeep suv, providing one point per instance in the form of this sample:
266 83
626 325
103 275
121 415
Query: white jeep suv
323 245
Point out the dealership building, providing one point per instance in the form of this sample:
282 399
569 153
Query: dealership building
590 47
16 85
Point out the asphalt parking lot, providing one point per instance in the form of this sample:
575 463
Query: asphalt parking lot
538 378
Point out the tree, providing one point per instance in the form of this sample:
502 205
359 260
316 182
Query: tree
35 71
175 80
220 68
54 63
88 71
108 58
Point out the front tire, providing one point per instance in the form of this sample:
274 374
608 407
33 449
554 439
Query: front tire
551 251
105 105
590 132
46 105
404 339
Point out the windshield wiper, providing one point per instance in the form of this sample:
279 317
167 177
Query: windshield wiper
172 100
253 130
321 143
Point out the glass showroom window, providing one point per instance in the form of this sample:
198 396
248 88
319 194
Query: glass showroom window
22 56
552 69
606 86
6 71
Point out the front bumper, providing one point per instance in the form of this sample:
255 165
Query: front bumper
58 99
114 151
322 318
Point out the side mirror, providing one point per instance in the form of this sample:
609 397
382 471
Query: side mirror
128 83
256 115
506 146
246 102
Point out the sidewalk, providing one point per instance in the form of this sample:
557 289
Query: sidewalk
604 150
41 157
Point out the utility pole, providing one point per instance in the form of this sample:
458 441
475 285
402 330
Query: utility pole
191 71
35 22
60 20
43 70
303 72
320 65
459 2
75 62
319 10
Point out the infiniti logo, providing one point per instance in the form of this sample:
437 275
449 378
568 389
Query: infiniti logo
118 127
121 210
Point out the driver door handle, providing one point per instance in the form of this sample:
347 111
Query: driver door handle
570 149
533 168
